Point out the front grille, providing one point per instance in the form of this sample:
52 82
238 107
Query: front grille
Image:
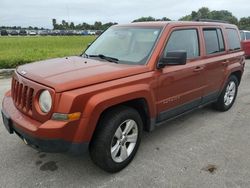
22 96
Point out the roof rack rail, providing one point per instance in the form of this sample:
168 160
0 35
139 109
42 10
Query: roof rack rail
210 20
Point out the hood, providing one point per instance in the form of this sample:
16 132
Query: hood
74 72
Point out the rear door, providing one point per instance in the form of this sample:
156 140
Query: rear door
180 87
215 60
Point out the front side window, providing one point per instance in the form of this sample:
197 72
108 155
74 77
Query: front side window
184 40
129 45
233 39
214 41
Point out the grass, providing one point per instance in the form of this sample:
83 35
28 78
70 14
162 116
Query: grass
15 51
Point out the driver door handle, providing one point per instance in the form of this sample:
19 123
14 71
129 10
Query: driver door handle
198 69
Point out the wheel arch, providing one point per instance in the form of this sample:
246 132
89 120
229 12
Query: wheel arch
234 71
139 97
238 75
140 105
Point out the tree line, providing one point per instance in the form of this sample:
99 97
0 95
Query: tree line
206 13
21 28
224 15
84 26
97 25
202 13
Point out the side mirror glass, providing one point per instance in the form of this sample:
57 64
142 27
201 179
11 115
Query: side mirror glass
173 58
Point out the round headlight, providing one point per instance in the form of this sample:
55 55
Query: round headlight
45 101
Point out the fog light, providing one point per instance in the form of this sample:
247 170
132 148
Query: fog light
66 117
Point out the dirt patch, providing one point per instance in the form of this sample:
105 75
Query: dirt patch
42 155
49 166
38 162
210 168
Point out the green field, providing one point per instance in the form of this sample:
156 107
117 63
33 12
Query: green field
15 51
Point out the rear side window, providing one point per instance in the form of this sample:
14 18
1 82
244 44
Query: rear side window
214 41
242 35
233 39
184 40
247 35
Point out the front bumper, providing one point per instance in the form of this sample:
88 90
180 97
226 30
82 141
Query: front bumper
50 136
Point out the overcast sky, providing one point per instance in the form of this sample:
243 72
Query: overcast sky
40 12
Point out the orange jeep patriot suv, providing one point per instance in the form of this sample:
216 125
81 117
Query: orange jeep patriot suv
133 77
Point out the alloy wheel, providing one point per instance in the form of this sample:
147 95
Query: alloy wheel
124 140
230 93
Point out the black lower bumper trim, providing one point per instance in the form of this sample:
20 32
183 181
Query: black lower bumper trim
51 145
45 145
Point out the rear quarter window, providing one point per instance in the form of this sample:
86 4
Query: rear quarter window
233 39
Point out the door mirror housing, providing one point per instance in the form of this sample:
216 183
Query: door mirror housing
173 58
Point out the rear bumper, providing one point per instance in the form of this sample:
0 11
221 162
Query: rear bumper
47 137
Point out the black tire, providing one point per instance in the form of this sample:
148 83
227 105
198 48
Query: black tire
100 146
220 104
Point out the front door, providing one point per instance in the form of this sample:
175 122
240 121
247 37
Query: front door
181 87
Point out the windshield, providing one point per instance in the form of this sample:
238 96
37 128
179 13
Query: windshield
128 45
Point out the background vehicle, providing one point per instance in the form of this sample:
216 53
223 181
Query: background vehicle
32 33
23 32
99 32
44 33
133 77
245 41
13 33
55 32
91 32
84 32
4 32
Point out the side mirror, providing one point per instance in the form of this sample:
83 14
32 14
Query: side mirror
173 58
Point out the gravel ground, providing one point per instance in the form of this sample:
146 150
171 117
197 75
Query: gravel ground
202 149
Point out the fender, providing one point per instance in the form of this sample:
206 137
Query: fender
98 103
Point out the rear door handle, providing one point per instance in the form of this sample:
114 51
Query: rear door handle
198 69
225 63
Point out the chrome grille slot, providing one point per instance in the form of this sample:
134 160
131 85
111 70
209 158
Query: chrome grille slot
20 88
24 97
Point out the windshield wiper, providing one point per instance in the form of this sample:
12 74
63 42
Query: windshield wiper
101 56
84 55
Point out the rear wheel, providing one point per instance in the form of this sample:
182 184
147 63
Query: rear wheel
228 95
117 139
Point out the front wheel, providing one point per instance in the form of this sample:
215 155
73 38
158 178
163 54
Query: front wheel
228 95
116 139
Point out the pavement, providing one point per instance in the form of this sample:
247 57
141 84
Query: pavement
205 148
5 73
